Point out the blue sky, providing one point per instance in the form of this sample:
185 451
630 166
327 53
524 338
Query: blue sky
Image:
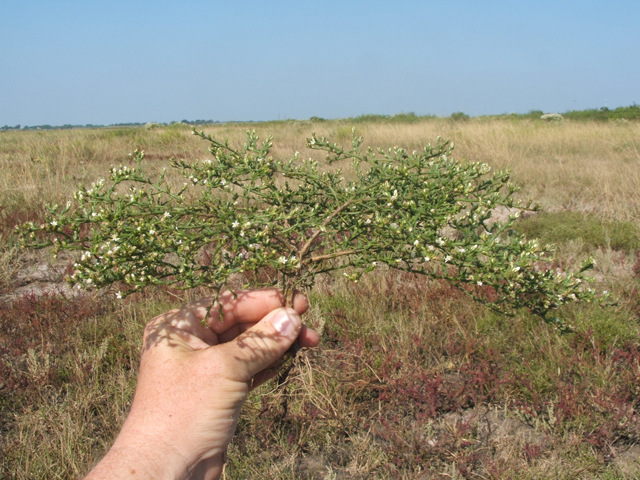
109 62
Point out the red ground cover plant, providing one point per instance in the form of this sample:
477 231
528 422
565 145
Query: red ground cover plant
394 388
46 323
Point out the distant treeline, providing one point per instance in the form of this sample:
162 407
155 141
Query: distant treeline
631 112
90 125
602 114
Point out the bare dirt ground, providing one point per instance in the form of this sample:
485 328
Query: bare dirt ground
38 276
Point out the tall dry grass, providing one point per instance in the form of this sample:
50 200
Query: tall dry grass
591 167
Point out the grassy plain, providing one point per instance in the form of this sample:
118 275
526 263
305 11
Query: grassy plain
411 380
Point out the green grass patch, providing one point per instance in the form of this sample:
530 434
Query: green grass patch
562 227
131 132
398 118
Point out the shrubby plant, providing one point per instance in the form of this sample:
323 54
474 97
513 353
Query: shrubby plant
552 118
241 210
459 117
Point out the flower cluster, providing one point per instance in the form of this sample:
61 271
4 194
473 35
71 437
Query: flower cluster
242 210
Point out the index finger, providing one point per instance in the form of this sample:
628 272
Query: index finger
247 306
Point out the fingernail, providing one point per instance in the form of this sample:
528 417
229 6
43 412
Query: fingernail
284 323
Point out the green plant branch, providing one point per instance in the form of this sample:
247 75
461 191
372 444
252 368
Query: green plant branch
420 212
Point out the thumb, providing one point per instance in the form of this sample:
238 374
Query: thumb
264 343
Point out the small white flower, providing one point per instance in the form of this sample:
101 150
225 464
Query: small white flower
367 221
235 224
54 223
461 250
152 232
427 259
119 295
479 283
283 260
166 215
416 243
447 258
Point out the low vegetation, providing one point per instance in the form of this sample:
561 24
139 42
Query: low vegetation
412 379
566 226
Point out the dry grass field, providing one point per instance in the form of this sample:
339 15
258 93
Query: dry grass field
412 380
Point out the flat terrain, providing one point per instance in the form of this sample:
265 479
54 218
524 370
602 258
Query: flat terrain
412 379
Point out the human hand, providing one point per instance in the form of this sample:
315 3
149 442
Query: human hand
194 379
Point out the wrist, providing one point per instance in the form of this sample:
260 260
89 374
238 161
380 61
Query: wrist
141 456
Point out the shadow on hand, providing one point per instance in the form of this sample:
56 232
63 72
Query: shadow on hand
187 327
190 322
